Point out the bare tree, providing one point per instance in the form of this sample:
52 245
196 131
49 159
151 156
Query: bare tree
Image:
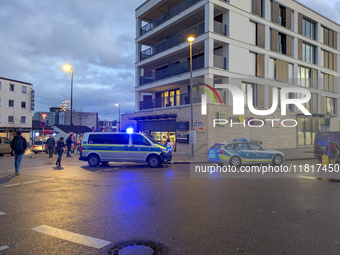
80 118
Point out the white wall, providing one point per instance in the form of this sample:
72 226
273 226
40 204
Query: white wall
252 33
238 59
239 27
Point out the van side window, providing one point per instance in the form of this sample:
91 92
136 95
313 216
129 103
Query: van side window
139 140
99 139
120 139
0 139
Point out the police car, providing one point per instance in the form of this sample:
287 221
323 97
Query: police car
100 147
240 151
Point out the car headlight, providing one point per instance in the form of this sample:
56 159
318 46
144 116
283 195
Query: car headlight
165 150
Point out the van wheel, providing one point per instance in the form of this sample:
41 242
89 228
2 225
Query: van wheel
93 160
154 161
12 153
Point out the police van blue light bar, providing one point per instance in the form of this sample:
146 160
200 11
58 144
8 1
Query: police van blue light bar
240 140
129 130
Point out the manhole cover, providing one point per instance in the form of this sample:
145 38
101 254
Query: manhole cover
142 247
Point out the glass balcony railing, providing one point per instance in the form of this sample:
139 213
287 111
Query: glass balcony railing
182 6
182 99
172 70
172 41
220 62
220 28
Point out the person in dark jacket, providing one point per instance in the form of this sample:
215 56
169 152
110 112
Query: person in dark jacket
19 146
69 144
60 150
331 150
50 146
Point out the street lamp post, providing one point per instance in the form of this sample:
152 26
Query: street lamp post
190 40
69 68
119 115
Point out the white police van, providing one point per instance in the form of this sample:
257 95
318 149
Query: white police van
100 147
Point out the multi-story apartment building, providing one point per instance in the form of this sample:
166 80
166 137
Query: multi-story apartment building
16 106
262 44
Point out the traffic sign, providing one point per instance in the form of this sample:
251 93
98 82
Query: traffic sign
44 115
42 124
251 121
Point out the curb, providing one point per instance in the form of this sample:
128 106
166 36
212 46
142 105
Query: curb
328 180
188 162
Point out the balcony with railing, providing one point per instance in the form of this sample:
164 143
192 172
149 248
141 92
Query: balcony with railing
182 6
172 70
220 62
220 28
181 99
172 41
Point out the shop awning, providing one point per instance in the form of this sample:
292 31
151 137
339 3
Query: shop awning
155 117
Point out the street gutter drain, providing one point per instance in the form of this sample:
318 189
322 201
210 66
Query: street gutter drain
139 247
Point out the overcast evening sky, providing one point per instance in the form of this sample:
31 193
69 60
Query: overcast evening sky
96 37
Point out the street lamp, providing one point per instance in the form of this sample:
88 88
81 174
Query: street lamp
119 116
69 68
190 40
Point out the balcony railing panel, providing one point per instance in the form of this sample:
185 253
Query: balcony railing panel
182 6
220 28
220 62
182 99
172 41
172 70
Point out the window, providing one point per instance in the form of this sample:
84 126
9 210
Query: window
11 87
24 89
23 105
308 53
258 7
330 105
330 38
305 77
10 103
229 147
308 28
282 16
330 83
109 139
10 119
282 43
254 146
330 60
23 119
139 140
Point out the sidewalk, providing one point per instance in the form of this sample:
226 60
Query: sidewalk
304 153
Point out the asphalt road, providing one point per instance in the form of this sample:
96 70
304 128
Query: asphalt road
122 202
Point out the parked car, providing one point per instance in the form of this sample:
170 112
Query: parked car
5 146
321 140
238 153
38 146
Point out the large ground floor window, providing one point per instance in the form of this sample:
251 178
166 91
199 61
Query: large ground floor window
307 129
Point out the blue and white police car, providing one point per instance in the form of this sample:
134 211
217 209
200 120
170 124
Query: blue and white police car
240 151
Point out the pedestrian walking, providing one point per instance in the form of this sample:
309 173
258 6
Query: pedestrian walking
69 144
19 146
60 150
331 150
50 146
170 145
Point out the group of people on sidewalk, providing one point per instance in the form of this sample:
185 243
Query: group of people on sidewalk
19 145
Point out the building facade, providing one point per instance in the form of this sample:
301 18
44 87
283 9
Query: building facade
107 126
16 106
263 45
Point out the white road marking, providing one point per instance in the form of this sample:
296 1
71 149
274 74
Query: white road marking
15 184
31 181
9 170
2 213
72 237
4 247
49 179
